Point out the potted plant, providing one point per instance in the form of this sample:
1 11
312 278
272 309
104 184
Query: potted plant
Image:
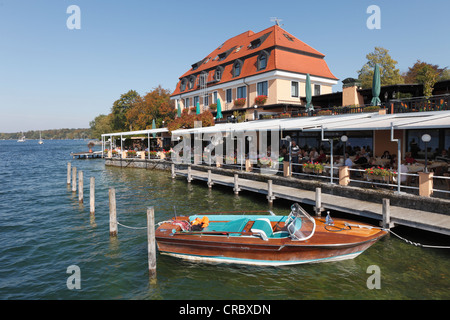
260 100
379 173
239 102
314 167
265 162
213 106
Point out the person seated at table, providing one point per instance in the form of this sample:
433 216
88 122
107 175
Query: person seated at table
404 169
443 156
321 158
338 161
372 162
348 162
409 159
360 159
313 154
393 161
386 155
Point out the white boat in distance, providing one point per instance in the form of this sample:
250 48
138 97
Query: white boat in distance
40 138
21 138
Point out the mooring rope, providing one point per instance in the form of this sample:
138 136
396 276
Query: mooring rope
401 238
130 227
418 244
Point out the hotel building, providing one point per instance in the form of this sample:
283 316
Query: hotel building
271 63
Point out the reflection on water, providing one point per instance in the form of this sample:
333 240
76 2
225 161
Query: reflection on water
44 230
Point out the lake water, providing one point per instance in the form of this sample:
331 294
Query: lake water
44 230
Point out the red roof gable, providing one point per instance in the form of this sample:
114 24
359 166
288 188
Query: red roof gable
287 53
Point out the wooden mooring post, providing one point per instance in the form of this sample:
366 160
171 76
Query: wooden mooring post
210 183
80 187
236 188
69 165
112 213
270 196
174 175
318 207
386 211
151 243
92 196
74 179
189 174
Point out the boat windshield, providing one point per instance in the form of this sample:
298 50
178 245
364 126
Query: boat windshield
300 224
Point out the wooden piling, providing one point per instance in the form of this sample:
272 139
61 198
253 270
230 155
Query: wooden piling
210 183
80 187
112 213
74 179
151 242
236 188
189 175
386 211
173 171
92 196
69 165
318 207
270 196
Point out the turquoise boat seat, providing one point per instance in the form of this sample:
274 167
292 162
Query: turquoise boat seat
263 228
230 226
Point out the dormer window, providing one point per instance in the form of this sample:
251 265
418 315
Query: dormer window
255 43
218 73
192 82
237 66
183 84
203 78
262 60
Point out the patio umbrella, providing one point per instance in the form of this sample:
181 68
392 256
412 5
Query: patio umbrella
376 86
179 110
309 106
219 110
198 107
154 127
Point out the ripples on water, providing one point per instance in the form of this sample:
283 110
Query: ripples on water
44 230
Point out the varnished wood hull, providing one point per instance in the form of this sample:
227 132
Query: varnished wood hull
324 246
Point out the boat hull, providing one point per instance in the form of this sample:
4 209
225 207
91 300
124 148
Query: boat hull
325 246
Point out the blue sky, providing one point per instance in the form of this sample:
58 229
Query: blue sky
52 77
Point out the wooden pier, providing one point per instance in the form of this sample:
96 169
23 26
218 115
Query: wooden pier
87 155
392 215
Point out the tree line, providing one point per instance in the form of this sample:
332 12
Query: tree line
50 134
133 112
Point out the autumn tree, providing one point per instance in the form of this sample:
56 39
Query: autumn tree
426 74
154 105
389 74
187 121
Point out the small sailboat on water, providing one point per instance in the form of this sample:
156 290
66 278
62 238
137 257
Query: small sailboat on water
40 138
21 138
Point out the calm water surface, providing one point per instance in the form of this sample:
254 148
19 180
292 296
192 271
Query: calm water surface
44 230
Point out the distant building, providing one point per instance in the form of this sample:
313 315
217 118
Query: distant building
271 62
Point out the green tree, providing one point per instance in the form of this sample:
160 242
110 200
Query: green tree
120 108
416 73
388 72
100 125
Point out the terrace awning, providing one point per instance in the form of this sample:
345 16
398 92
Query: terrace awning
130 133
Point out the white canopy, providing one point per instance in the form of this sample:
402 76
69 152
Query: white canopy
130 133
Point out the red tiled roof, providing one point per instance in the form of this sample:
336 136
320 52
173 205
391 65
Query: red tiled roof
294 56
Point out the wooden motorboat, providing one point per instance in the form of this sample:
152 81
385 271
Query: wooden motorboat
265 239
